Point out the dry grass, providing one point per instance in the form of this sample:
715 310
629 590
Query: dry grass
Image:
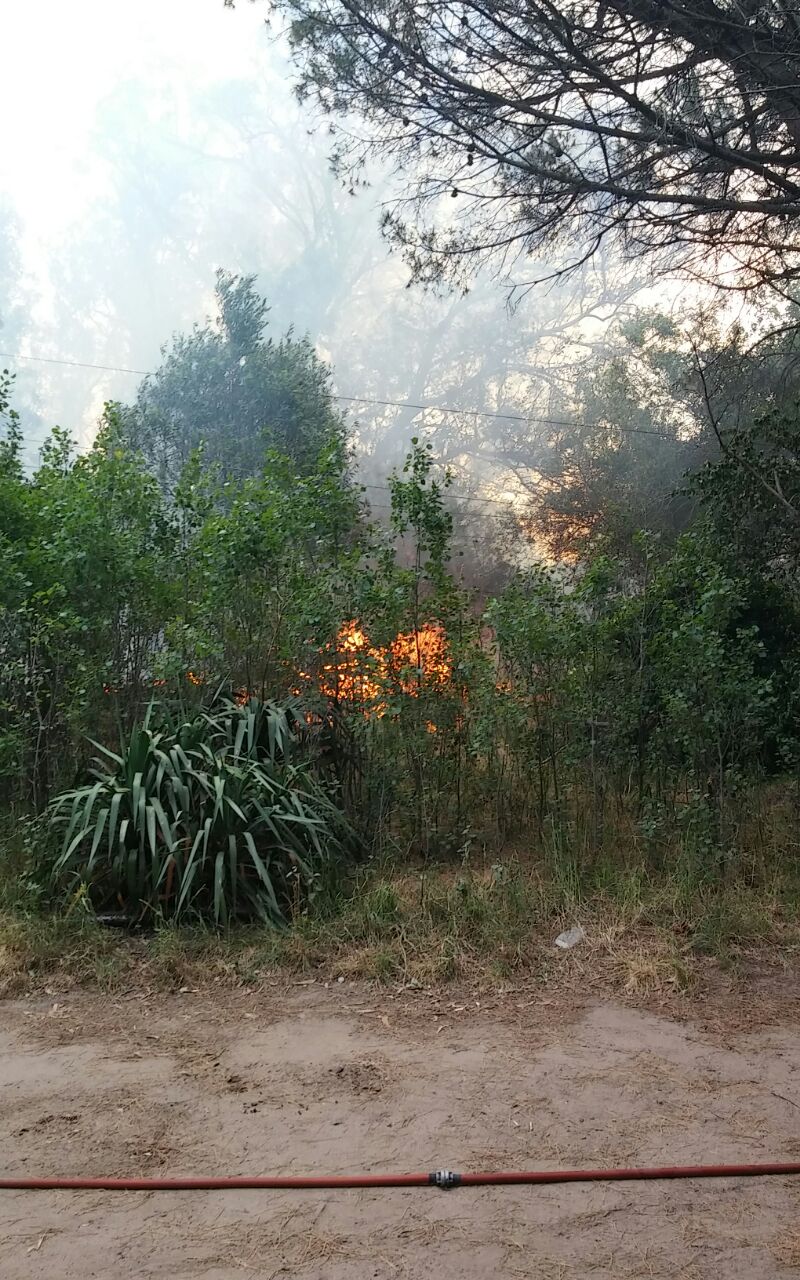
278 1250
649 971
786 1249
488 927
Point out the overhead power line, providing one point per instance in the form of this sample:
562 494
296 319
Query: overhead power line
462 497
387 404
75 364
440 408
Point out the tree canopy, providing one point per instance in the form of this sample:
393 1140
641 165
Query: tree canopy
671 127
233 391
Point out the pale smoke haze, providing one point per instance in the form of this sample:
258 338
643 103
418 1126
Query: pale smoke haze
145 147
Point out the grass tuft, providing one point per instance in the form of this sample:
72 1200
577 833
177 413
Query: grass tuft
391 923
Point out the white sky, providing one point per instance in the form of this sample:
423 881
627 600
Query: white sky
62 59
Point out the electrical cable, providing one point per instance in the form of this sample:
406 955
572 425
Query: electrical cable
393 404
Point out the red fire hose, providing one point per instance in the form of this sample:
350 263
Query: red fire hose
443 1178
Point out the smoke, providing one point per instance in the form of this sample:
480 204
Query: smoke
177 148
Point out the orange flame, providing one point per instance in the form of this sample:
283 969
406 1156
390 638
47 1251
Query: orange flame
357 672
420 658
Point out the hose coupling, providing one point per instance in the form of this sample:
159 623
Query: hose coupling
445 1180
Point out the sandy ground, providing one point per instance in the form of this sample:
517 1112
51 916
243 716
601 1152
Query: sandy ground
308 1079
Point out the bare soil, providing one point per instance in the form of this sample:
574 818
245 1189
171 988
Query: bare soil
312 1079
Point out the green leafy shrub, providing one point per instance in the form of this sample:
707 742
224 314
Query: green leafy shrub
210 818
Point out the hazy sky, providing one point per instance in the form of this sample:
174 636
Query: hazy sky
145 145
61 62
65 75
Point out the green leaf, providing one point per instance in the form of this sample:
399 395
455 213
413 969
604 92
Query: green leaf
114 807
219 889
151 828
100 826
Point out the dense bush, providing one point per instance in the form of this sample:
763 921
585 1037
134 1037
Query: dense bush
211 819
615 712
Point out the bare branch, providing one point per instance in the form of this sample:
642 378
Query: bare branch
674 126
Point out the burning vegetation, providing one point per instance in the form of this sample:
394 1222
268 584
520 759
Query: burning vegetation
357 672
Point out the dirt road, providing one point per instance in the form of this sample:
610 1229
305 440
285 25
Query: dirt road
348 1078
